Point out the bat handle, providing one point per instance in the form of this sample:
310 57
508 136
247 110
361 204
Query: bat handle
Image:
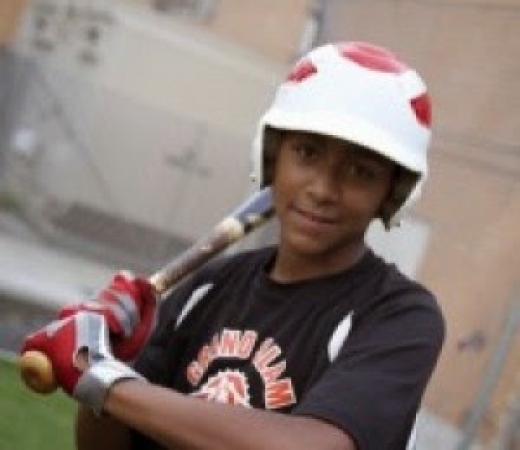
37 373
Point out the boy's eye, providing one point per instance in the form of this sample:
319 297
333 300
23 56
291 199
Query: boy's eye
360 171
306 151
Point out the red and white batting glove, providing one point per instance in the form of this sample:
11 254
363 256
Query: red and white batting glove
128 305
63 340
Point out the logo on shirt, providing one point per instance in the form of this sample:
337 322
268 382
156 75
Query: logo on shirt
227 386
232 385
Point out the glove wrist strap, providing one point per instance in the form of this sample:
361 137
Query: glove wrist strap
95 383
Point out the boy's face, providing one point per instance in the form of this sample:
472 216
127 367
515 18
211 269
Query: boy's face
326 192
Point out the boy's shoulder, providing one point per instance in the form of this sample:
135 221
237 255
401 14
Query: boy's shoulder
395 286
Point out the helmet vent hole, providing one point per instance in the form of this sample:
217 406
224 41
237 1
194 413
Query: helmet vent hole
422 109
372 57
302 70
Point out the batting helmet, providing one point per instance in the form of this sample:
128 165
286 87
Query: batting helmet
361 93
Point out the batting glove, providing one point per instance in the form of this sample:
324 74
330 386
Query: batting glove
62 342
128 305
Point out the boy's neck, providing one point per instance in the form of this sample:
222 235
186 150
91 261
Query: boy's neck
291 267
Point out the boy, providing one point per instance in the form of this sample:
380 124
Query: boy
315 343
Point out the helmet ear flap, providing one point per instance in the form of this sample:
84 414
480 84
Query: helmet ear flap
400 198
272 142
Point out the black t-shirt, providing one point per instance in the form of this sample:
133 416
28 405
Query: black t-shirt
355 349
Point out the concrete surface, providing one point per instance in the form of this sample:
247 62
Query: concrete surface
35 272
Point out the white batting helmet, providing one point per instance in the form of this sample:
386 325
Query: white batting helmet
361 93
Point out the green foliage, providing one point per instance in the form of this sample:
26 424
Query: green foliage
30 421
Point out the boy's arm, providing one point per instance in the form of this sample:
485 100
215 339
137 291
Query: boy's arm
179 421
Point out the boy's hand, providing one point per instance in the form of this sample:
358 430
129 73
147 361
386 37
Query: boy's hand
128 305
59 342
79 351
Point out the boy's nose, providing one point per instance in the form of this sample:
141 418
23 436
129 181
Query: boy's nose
325 185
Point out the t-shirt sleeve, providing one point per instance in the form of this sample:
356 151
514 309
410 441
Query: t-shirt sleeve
373 389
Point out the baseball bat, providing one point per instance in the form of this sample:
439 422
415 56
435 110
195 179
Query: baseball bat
36 369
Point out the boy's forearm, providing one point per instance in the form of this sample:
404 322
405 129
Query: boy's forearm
179 421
